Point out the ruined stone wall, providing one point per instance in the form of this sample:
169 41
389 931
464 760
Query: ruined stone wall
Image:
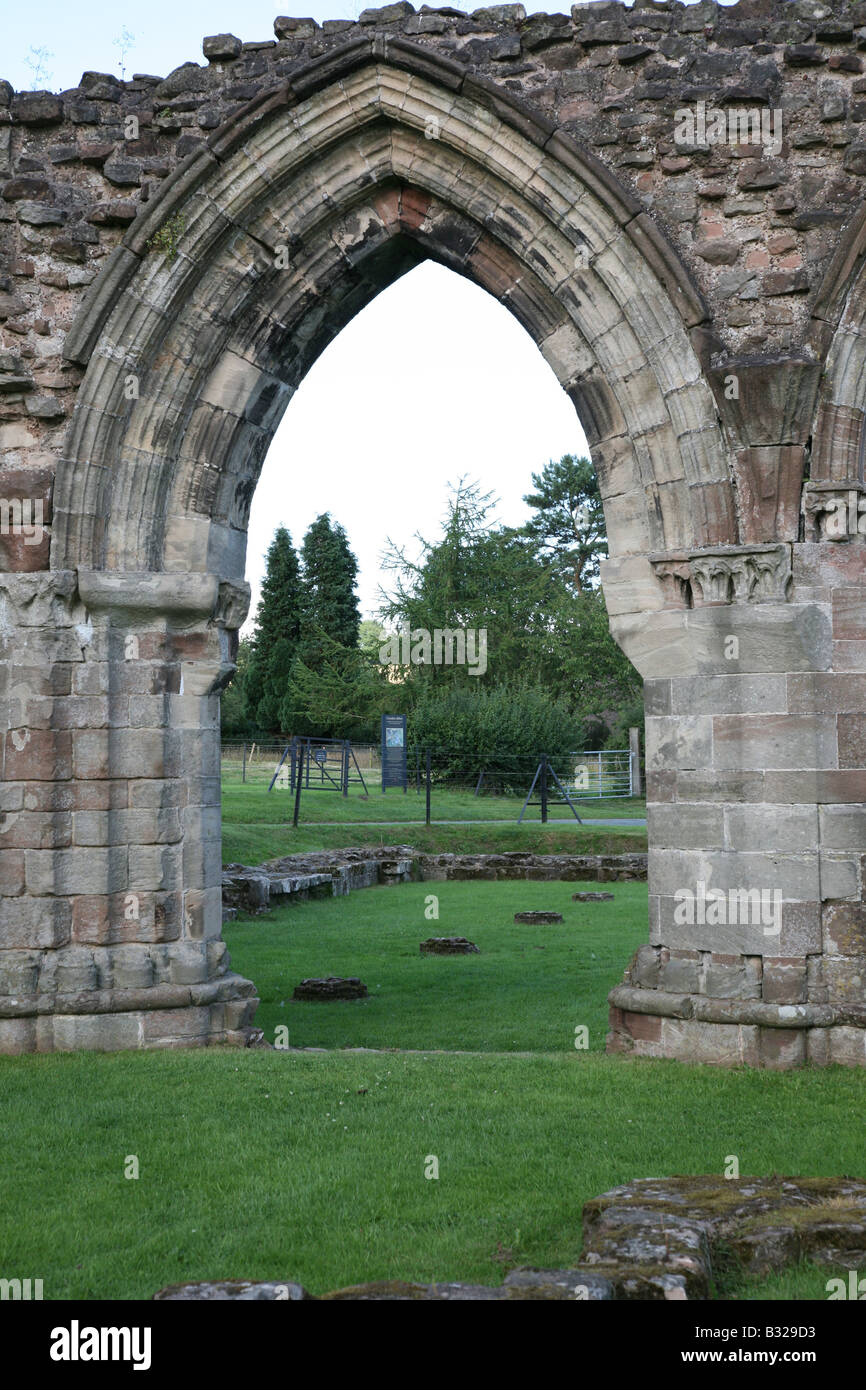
701 301
756 230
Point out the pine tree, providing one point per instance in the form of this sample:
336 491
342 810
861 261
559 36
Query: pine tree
569 519
344 698
277 634
330 605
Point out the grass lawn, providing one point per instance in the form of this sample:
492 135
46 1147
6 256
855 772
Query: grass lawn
310 1165
257 826
527 990
253 844
800 1282
251 800
257 823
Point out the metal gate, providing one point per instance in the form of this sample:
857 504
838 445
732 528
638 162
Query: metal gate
605 772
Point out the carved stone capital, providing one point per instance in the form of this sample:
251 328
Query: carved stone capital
725 574
676 580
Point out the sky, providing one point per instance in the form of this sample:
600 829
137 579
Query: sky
432 382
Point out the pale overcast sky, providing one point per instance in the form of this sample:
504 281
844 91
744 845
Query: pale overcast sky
432 381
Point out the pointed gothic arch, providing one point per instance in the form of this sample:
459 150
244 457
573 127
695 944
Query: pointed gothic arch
277 228
299 211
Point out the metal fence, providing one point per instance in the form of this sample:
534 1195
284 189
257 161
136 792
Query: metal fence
585 775
256 760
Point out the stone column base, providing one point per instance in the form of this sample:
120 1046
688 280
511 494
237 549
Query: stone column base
220 1011
734 1032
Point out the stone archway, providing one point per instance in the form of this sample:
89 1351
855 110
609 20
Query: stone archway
265 240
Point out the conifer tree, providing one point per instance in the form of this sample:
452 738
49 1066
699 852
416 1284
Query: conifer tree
569 519
277 635
331 612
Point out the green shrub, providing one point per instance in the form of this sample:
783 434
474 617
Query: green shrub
503 731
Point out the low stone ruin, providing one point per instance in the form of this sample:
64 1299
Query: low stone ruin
538 919
536 868
334 987
592 897
243 1290
323 874
448 946
331 873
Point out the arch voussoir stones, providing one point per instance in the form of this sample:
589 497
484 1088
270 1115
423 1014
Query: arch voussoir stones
173 261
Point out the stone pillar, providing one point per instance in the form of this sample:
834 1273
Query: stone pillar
754 660
110 914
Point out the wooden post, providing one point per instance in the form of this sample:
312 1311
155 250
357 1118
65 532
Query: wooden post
544 789
244 774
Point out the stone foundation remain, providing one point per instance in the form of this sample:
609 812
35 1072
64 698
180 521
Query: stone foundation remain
331 873
331 988
448 946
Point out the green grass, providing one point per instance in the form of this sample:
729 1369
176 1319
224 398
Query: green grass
252 843
250 802
527 990
257 823
799 1283
310 1166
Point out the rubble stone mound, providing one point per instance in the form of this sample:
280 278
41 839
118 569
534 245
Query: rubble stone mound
539 919
574 1284
243 1290
334 987
520 1284
592 897
667 1238
448 946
